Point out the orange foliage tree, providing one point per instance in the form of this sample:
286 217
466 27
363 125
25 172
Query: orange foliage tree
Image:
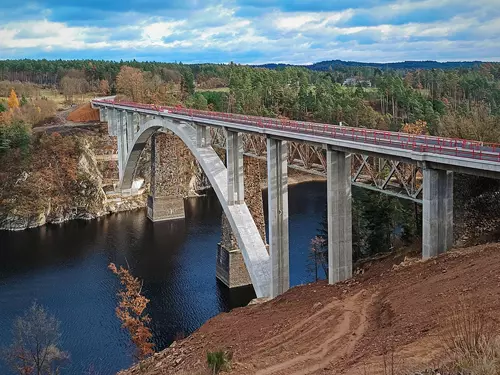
104 86
417 128
130 311
13 101
130 82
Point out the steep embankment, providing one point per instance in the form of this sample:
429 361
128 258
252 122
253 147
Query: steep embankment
63 176
396 311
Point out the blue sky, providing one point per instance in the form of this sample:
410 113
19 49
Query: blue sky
252 31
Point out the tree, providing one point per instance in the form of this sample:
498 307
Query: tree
2 107
130 311
104 86
130 82
318 256
13 101
35 350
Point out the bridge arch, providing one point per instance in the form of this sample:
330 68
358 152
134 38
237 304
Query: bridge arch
242 224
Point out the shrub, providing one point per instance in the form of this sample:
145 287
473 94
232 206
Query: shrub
471 344
218 360
16 135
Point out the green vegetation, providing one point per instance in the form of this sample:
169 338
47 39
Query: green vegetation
218 361
16 135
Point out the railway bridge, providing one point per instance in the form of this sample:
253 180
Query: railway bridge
414 167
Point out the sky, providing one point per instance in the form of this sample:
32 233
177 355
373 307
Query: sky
251 31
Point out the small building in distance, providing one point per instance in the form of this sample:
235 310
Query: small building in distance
355 81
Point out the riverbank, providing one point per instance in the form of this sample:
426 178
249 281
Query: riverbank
394 314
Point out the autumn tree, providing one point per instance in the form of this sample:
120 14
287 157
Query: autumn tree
74 83
130 82
104 86
35 349
13 101
130 311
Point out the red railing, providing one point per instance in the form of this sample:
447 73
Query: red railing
418 143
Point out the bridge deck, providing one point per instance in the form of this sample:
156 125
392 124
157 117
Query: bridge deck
447 153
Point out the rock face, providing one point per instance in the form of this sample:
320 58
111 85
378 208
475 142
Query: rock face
88 199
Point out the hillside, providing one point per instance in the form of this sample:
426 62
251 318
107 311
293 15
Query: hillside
403 65
395 316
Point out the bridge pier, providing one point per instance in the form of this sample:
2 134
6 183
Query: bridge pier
166 201
243 176
437 214
277 176
339 216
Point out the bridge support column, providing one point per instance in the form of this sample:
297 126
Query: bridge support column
166 201
121 134
234 159
339 216
277 176
437 215
112 120
130 129
203 136
231 269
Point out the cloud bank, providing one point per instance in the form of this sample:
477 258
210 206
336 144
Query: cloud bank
252 31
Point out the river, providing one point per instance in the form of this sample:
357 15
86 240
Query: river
64 268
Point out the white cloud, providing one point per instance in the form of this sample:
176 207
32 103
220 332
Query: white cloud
289 37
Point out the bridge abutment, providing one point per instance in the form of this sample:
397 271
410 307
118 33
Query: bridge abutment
166 201
339 216
437 214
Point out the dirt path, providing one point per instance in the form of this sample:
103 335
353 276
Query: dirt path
393 315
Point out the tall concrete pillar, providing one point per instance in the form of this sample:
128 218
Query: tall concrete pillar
437 215
203 136
339 216
121 140
277 176
234 159
230 265
130 130
168 185
112 121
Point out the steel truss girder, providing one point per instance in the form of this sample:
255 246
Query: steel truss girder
395 178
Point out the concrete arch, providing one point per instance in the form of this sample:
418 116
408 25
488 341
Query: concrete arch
244 228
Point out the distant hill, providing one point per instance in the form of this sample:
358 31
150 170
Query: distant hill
325 65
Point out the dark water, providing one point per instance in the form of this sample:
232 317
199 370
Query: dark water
64 268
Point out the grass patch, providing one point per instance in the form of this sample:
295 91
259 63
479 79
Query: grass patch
218 361
218 89
472 344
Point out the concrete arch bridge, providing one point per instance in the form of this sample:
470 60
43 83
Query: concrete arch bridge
419 168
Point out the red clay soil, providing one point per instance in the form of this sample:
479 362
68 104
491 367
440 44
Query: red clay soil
396 308
84 113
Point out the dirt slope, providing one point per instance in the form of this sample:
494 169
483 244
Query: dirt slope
396 309
84 113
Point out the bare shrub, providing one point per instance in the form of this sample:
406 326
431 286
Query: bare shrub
471 342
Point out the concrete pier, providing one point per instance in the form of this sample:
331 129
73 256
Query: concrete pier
203 138
234 159
277 175
166 201
339 216
437 215
231 269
